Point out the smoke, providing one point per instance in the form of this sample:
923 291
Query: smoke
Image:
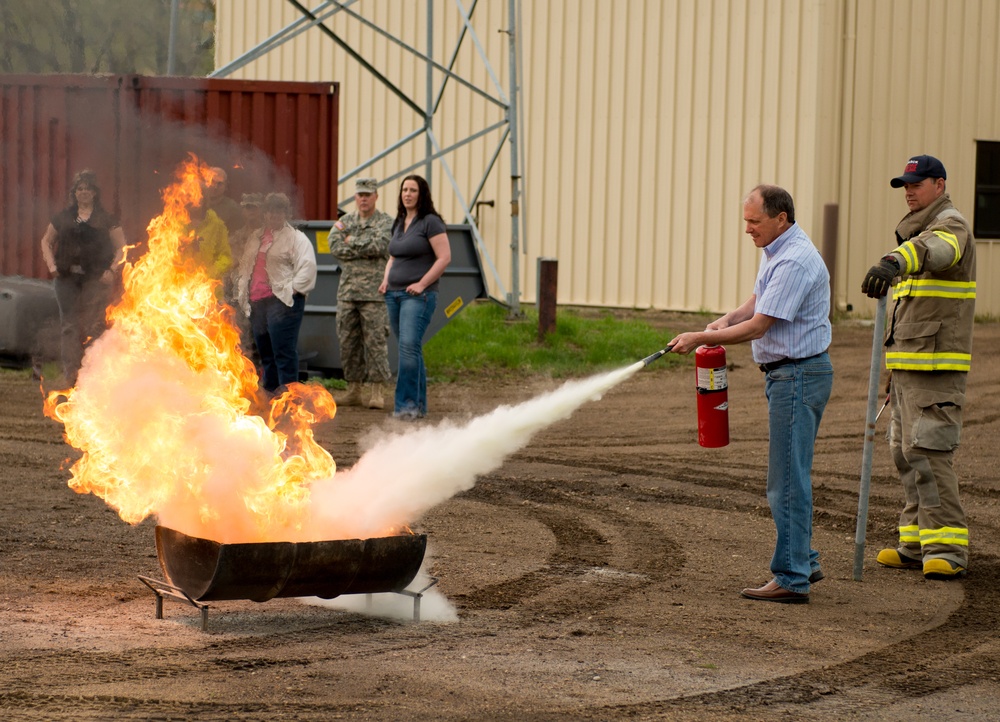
434 606
406 474
208 468
169 418
133 167
168 414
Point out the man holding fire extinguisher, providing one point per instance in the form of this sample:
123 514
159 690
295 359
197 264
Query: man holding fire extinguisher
787 319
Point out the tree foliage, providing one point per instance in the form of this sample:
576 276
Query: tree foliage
106 36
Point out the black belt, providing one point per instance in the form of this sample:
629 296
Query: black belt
785 361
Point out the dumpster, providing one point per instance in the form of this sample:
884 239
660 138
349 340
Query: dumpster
462 283
29 321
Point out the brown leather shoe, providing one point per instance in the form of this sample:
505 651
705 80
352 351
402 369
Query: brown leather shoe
771 592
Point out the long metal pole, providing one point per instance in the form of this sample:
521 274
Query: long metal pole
515 173
520 124
429 102
866 458
172 43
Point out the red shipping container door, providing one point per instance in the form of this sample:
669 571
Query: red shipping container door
49 129
135 130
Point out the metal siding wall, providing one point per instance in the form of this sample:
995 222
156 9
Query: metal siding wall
556 230
373 117
909 100
731 114
647 121
985 67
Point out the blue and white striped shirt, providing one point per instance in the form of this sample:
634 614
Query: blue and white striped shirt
792 286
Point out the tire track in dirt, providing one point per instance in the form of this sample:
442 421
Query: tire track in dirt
954 654
50 707
81 668
580 547
950 656
687 477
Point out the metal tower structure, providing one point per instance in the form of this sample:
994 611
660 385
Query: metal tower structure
508 100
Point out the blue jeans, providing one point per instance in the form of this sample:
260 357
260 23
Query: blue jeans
796 397
275 329
409 317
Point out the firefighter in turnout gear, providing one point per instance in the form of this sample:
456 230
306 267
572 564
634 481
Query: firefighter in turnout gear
360 242
928 345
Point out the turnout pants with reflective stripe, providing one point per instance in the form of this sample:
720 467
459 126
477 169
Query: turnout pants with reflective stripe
925 430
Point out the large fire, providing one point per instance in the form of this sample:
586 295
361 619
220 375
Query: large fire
166 409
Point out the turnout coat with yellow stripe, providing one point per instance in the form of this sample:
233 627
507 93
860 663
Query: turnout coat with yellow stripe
931 324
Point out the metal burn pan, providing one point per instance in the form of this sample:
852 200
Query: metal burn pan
207 570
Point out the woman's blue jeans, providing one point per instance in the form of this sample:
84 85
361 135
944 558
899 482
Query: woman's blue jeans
409 317
796 397
275 329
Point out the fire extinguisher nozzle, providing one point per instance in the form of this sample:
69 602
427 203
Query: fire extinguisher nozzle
652 357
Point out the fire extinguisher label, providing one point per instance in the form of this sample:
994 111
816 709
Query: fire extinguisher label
712 379
723 406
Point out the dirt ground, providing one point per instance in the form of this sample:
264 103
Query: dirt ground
595 576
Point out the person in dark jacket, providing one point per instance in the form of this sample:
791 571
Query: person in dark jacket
82 247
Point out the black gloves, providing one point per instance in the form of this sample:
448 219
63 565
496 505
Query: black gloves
879 278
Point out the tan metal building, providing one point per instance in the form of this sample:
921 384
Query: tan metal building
646 121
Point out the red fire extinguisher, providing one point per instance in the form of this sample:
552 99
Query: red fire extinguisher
713 396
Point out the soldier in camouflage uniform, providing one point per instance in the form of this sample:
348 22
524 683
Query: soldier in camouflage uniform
360 242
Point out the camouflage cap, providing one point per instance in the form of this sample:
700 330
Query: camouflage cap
252 199
366 185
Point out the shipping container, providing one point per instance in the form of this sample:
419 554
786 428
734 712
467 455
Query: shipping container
134 131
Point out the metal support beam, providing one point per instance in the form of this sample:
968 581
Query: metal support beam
172 43
281 37
364 63
507 102
467 210
447 70
435 154
429 107
514 299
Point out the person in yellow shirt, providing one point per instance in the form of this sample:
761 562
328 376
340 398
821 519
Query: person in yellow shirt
210 247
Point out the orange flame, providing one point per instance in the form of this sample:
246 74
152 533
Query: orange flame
163 409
